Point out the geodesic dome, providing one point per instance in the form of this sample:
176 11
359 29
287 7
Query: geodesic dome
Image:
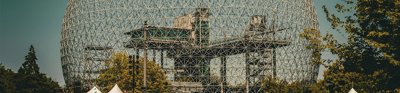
202 45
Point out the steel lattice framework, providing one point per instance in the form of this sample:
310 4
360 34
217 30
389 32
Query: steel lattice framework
237 42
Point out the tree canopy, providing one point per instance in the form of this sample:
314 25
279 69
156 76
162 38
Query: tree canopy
6 80
29 67
274 85
369 61
28 79
117 72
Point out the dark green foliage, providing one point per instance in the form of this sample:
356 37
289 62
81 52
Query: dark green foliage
379 22
36 84
6 80
275 85
30 80
369 61
29 67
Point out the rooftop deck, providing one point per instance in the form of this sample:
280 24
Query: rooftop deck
183 44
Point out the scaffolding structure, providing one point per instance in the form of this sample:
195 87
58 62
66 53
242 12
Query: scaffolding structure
202 45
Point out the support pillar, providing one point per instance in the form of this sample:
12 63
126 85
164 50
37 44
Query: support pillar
247 55
154 55
223 73
162 59
145 58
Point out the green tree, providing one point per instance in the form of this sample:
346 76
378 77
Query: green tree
30 67
6 80
118 73
30 80
369 61
275 85
379 22
314 43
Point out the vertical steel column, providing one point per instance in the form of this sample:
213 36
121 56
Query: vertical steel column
247 55
135 69
274 30
223 73
273 54
154 55
162 59
145 57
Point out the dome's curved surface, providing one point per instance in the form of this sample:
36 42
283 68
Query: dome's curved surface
236 41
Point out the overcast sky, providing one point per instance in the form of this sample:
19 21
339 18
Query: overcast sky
38 23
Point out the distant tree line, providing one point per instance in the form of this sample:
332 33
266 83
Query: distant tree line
28 79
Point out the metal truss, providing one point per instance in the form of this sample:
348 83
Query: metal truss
202 45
